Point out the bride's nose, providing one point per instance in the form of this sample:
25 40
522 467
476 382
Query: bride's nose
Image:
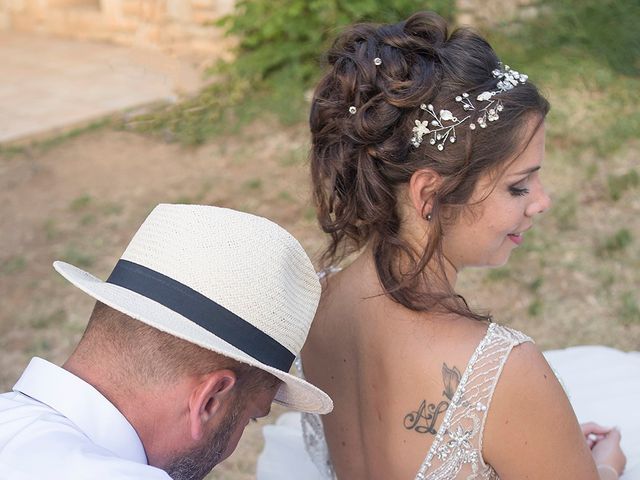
540 204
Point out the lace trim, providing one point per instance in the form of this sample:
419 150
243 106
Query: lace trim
458 443
314 439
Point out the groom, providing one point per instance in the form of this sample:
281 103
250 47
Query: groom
192 336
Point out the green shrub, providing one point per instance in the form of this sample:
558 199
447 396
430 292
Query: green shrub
590 43
277 59
606 30
290 35
586 53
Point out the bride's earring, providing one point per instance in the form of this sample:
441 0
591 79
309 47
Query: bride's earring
428 217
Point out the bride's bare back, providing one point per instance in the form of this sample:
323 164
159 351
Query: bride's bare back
393 374
381 364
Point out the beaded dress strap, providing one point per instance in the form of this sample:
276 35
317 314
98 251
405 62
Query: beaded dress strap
458 442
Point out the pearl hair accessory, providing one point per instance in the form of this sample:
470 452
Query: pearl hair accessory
377 61
352 110
442 126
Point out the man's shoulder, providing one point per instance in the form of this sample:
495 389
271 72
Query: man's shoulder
120 470
37 442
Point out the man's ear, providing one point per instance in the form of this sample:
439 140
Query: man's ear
208 400
423 186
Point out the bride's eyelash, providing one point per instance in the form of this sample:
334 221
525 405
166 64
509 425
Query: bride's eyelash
518 191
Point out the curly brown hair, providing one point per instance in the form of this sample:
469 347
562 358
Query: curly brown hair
358 160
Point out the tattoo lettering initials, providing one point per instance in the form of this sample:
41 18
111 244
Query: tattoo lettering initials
428 413
423 420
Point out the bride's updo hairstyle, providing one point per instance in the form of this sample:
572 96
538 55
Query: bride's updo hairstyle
362 116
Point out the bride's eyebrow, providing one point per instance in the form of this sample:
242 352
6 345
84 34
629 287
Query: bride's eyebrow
528 171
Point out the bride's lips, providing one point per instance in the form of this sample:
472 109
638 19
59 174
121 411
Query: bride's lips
515 238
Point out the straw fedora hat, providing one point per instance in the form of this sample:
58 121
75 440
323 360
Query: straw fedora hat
228 281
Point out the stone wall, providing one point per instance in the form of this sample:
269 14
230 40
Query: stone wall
183 26
176 26
494 12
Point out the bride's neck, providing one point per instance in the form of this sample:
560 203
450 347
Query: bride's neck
440 271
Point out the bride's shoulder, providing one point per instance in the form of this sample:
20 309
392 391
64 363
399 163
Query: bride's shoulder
461 340
431 343
530 416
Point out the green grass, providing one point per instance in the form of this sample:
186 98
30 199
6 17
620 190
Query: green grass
40 347
87 219
13 265
619 184
51 230
285 196
204 116
50 320
73 255
535 307
535 285
41 146
253 184
629 311
309 214
498 274
293 158
112 208
565 212
194 198
616 243
80 203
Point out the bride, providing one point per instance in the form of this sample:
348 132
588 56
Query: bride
426 158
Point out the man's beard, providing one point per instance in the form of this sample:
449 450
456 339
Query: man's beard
197 463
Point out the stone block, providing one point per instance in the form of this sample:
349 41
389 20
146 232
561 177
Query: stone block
148 10
170 24
492 12
76 25
529 12
179 10
132 8
224 7
208 4
201 17
112 8
465 18
73 4
148 35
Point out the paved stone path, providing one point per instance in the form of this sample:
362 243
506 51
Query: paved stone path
49 84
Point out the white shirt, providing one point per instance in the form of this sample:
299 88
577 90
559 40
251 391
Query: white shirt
55 426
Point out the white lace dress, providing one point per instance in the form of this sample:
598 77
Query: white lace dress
603 385
456 450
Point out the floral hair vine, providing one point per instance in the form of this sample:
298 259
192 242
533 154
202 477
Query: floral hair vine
442 125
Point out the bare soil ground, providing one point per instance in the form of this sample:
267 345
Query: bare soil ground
574 281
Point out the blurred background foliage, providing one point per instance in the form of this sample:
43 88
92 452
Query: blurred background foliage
583 54
277 59
570 44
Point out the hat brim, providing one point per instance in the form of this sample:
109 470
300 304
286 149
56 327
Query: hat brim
294 392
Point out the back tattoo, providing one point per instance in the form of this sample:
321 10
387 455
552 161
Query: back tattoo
423 420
